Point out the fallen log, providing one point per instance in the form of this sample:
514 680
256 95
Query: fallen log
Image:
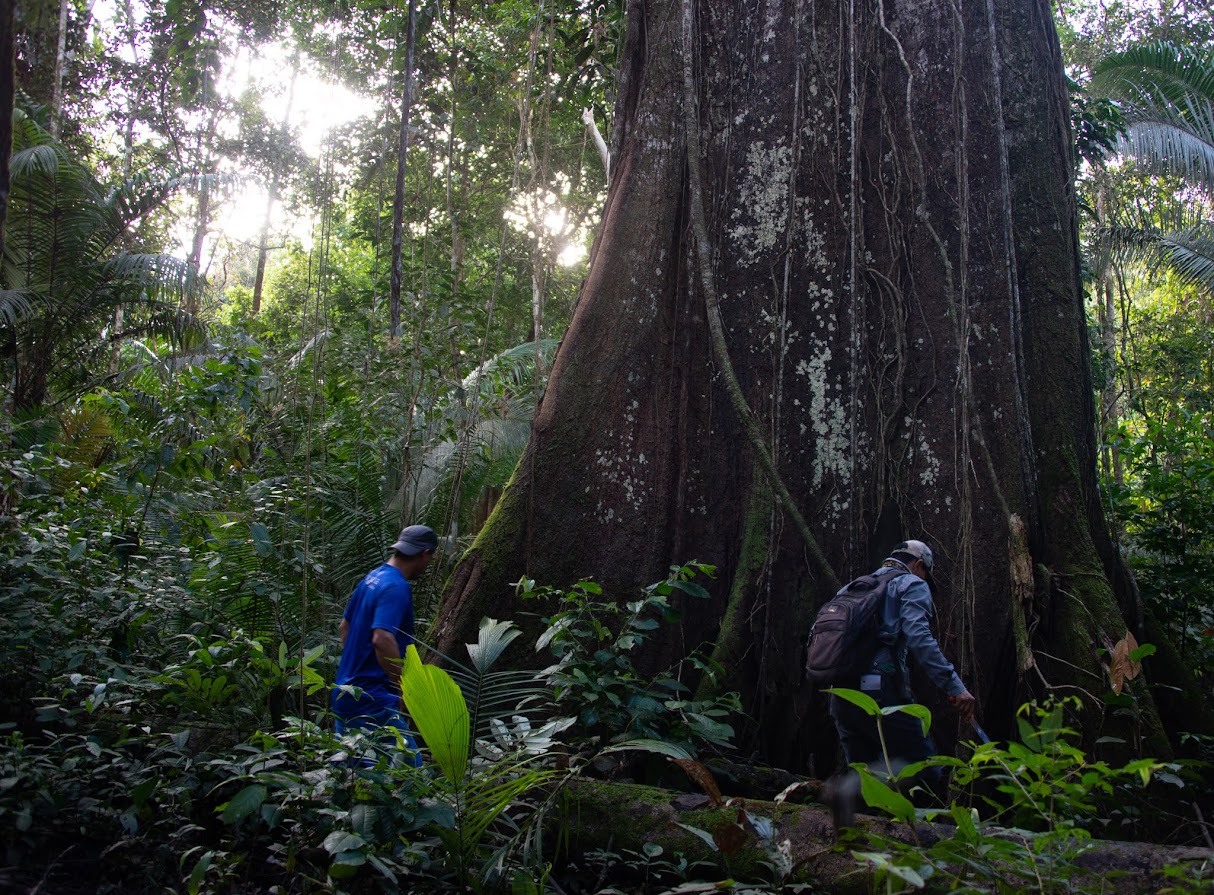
756 840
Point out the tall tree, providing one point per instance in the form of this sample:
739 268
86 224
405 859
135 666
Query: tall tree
7 93
838 263
398 202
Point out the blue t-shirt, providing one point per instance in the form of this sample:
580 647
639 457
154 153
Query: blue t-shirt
384 599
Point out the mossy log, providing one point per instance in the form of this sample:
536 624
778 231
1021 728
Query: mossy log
625 817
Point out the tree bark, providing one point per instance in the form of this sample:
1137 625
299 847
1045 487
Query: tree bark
889 203
57 77
8 83
398 200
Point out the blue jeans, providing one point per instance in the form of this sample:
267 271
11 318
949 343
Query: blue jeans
378 721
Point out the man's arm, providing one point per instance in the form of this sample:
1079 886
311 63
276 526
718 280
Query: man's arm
387 653
916 612
343 631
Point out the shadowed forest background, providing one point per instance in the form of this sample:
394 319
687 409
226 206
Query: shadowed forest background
668 318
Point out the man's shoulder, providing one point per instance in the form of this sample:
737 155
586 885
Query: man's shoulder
386 578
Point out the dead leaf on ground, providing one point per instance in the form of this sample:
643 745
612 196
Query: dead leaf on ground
703 778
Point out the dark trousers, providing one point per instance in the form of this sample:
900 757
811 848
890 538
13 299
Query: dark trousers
905 739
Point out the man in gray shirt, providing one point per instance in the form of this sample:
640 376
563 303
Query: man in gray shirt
904 629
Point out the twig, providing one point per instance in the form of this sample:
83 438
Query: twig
49 867
1205 827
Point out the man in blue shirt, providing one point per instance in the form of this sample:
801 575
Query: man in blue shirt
375 630
904 629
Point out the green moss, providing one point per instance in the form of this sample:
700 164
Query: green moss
730 641
1086 617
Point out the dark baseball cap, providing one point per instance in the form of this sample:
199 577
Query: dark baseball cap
415 539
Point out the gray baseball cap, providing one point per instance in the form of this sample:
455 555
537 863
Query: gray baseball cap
917 549
415 539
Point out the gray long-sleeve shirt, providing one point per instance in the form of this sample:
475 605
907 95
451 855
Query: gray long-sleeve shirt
905 628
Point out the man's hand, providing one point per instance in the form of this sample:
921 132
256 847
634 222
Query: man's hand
965 704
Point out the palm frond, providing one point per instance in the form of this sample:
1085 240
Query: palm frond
1168 97
491 694
143 193
1166 144
1159 68
514 363
16 304
312 344
1189 252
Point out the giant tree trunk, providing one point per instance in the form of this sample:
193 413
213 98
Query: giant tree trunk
889 199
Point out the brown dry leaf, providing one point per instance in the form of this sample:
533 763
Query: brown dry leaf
1131 647
730 837
1122 667
703 777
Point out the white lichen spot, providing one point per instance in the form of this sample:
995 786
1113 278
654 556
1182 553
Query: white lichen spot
761 215
930 469
827 420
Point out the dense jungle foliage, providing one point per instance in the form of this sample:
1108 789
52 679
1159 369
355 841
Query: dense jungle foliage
212 430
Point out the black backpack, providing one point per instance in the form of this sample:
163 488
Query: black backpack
843 640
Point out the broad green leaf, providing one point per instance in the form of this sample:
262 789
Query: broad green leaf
878 795
702 834
261 539
657 747
363 819
200 871
690 587
140 793
243 803
1147 649
922 712
862 701
438 709
340 841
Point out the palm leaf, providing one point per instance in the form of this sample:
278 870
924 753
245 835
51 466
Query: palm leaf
1188 252
491 695
1168 98
16 304
1159 68
438 709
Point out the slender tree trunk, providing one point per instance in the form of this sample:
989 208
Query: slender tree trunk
263 250
889 205
202 220
398 201
1110 411
7 93
57 77
457 240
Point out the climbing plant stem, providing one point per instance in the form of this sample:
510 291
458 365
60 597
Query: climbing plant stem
720 350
